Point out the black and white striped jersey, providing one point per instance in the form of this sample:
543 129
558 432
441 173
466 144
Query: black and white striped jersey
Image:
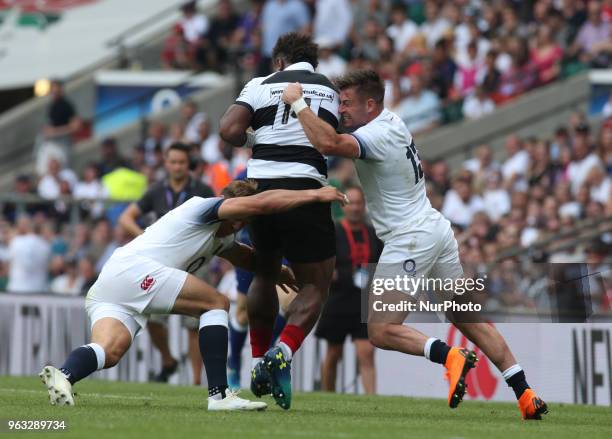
282 149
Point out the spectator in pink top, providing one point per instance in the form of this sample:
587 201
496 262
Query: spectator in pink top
546 56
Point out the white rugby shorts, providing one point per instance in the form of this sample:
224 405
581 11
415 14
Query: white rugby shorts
130 287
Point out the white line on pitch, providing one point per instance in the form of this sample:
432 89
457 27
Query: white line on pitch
95 395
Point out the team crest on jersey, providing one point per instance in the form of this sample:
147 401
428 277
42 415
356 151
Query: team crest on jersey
147 283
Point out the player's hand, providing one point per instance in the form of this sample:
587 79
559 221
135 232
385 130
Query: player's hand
328 194
286 280
292 93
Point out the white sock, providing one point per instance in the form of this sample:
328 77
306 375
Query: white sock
286 351
100 354
254 361
428 344
214 317
512 370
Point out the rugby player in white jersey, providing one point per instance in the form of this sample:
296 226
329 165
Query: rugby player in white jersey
390 172
151 275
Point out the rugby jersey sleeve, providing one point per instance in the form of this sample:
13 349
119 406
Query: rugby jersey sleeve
372 140
249 95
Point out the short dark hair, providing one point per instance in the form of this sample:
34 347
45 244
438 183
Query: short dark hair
240 188
178 146
296 47
367 83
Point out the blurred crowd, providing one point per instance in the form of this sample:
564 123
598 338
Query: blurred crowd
540 187
436 57
441 59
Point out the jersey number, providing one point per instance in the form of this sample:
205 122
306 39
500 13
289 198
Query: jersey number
287 111
413 156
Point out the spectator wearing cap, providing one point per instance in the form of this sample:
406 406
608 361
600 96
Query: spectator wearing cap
177 53
332 21
584 158
420 110
330 63
278 18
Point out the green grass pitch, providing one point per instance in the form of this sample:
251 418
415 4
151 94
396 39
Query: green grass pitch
129 410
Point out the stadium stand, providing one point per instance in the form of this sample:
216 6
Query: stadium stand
497 94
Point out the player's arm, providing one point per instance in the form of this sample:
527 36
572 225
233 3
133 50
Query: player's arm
238 117
322 135
128 218
234 124
243 256
278 200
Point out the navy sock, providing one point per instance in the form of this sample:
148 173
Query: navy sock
439 351
213 347
81 363
518 382
237 337
279 325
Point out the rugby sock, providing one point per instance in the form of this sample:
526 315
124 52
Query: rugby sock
213 347
436 350
291 339
279 325
83 361
515 377
237 337
260 340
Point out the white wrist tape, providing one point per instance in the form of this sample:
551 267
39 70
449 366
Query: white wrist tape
299 105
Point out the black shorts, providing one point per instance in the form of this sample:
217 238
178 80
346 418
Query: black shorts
335 328
304 234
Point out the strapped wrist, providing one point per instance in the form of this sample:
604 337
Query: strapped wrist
299 105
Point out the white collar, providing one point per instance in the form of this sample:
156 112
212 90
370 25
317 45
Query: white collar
301 66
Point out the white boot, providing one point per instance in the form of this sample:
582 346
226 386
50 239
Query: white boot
232 402
60 389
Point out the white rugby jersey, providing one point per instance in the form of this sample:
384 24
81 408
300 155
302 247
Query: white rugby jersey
390 173
282 149
184 238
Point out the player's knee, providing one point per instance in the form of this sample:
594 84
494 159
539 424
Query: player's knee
377 334
221 302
